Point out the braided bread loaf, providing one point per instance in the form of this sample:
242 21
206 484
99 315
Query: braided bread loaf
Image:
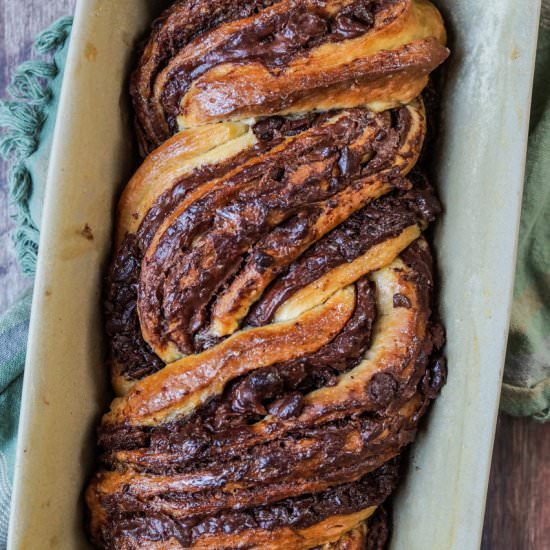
269 303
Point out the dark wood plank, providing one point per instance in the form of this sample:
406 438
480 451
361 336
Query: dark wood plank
518 506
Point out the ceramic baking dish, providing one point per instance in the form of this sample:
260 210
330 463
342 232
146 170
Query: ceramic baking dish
479 166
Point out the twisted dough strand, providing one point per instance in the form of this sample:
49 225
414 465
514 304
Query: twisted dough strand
269 303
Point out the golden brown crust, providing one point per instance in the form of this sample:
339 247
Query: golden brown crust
164 329
316 458
269 303
186 384
249 66
179 156
232 307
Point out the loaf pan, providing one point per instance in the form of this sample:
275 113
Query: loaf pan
479 168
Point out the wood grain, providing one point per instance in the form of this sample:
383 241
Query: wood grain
518 506
20 21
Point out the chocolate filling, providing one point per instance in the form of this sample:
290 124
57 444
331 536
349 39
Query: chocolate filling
378 533
180 24
221 471
217 449
382 219
272 40
133 520
129 350
205 245
273 389
127 347
259 392
223 424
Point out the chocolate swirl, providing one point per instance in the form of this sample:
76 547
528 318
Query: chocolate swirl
222 60
270 299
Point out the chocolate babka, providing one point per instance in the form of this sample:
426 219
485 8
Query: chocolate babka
269 305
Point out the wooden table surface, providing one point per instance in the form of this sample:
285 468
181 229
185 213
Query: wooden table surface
518 506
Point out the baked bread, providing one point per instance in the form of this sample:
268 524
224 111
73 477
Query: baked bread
217 60
270 299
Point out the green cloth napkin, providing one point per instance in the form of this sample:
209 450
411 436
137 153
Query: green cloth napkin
526 387
13 340
30 120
